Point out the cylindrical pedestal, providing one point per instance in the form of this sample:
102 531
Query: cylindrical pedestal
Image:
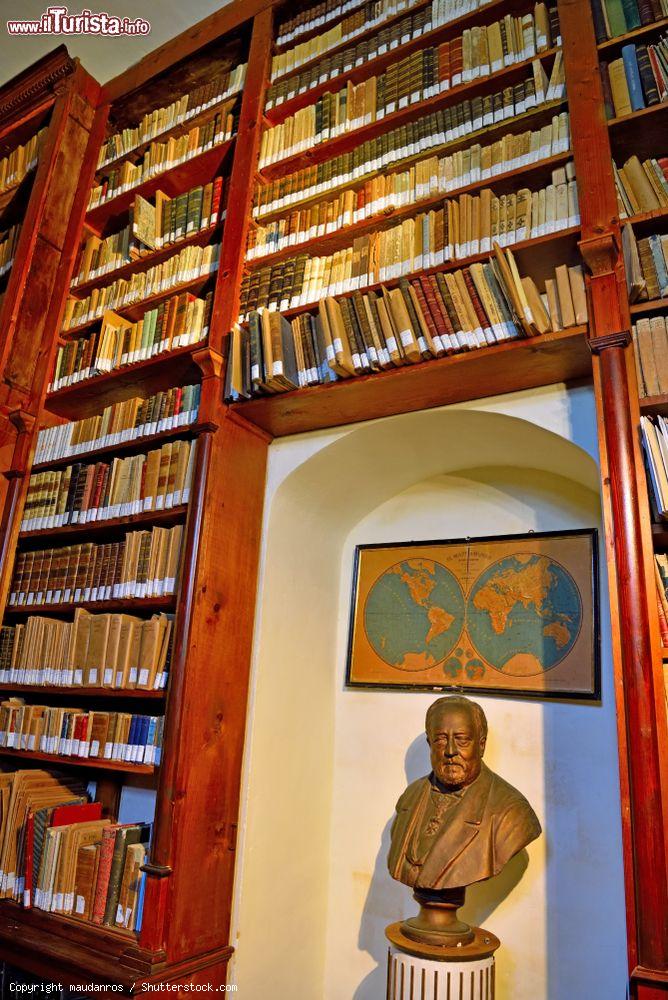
428 972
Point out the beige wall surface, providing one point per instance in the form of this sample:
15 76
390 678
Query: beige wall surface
325 765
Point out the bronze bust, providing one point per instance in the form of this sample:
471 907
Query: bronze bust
462 823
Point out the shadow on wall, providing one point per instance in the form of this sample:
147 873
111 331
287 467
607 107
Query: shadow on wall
388 896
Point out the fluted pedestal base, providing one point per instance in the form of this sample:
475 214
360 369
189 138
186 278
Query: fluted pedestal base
430 972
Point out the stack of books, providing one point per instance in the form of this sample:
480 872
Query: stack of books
639 79
160 120
650 338
119 423
641 187
616 17
447 125
654 432
421 181
190 264
180 321
144 564
123 487
463 227
479 52
73 732
152 226
163 156
114 651
646 265
58 854
21 160
428 317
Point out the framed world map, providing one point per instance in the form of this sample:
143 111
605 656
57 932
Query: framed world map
508 613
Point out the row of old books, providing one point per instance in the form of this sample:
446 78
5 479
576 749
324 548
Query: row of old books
639 79
58 854
152 227
650 338
661 576
114 651
73 732
616 17
22 159
641 187
428 317
464 227
423 180
654 433
163 156
82 494
143 565
180 321
8 241
421 76
127 420
646 265
447 125
323 67
190 264
160 120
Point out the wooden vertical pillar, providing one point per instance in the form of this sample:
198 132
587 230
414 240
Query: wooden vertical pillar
640 698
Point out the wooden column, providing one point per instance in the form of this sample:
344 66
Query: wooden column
640 697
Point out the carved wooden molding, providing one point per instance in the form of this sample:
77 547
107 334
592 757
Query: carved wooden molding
600 253
36 83
209 362
598 344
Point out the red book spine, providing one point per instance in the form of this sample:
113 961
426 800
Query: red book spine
435 298
444 61
475 299
216 200
426 312
103 873
29 856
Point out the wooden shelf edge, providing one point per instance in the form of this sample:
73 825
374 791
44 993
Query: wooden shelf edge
630 36
130 604
94 763
636 115
651 305
83 692
171 514
509 367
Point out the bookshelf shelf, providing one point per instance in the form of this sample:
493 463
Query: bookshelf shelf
148 260
190 173
112 525
222 107
94 763
533 118
504 77
654 405
542 250
519 364
143 378
61 691
645 222
132 604
372 67
128 448
631 36
653 305
136 310
539 172
654 109
660 533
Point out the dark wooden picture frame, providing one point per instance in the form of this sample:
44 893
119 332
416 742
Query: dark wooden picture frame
462 659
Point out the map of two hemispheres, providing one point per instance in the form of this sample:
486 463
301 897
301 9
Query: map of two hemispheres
504 614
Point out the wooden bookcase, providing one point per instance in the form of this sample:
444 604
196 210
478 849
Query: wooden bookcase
185 935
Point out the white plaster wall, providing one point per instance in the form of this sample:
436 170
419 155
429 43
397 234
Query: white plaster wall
324 766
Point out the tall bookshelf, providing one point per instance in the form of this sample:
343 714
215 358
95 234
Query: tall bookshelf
185 934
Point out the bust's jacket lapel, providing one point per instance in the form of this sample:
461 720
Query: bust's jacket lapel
409 807
462 826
